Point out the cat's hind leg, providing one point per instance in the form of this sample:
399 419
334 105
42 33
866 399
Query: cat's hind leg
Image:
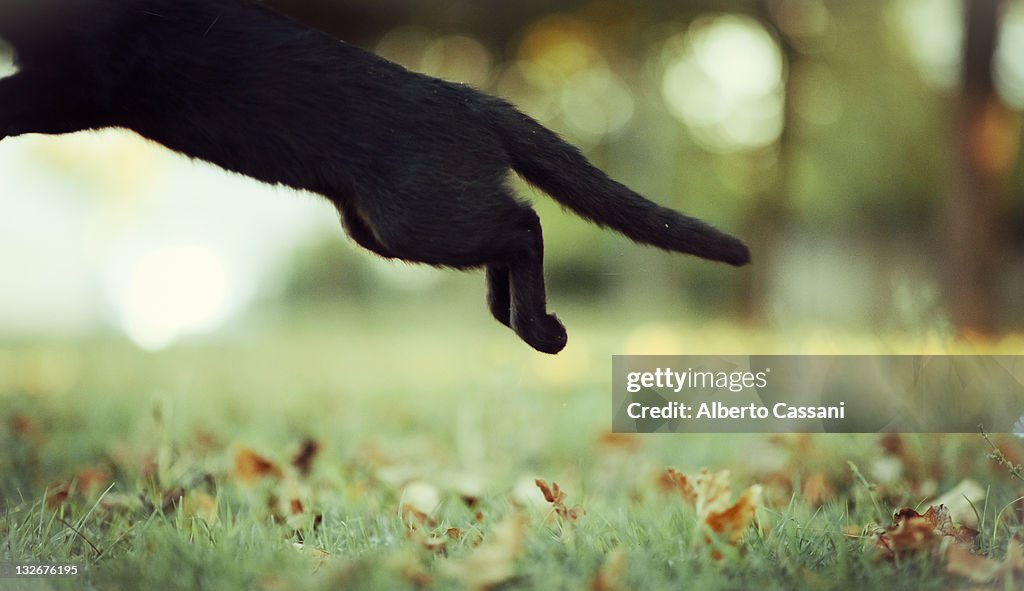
529 317
452 227
499 300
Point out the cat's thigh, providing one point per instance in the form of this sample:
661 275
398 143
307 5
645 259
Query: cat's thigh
360 231
449 226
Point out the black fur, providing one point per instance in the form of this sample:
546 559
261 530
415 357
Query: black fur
416 166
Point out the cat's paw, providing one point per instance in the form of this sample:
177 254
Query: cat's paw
544 333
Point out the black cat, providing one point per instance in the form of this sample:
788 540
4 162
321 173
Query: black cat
416 166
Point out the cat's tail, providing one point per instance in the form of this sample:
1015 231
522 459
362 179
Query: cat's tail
560 170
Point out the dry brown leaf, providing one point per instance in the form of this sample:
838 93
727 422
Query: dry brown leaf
673 481
713 491
436 544
626 442
556 497
612 574
197 503
551 494
908 534
91 479
816 489
913 532
250 466
961 500
206 440
57 494
171 500
25 427
964 563
421 496
83 484
494 561
414 518
711 496
1007 574
732 522
303 460
469 487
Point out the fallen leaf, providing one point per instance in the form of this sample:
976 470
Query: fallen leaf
673 481
91 479
556 497
816 489
913 532
469 488
421 496
57 495
961 501
206 440
197 503
250 466
626 442
83 484
710 495
732 522
414 518
171 500
24 427
713 491
494 561
551 494
981 570
436 544
978 569
611 576
303 460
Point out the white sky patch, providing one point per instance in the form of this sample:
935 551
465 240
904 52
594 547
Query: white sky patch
78 214
171 292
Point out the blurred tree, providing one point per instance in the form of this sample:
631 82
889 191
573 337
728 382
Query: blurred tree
986 145
770 205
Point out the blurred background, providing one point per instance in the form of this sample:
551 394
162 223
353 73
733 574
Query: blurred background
867 151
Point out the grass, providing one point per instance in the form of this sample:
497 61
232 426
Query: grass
147 447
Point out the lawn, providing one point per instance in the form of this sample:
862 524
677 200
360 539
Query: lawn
343 449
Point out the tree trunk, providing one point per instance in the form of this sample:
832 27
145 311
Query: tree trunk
985 144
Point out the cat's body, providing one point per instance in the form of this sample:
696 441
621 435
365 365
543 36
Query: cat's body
416 166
